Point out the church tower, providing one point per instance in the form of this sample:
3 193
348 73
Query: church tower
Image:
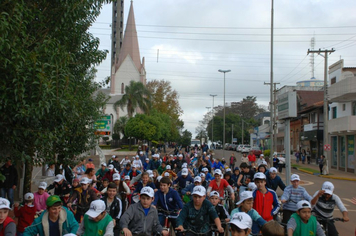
128 66
117 28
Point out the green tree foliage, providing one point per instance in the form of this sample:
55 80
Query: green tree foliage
119 127
49 102
185 138
136 96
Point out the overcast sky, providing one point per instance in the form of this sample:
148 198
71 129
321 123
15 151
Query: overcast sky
196 38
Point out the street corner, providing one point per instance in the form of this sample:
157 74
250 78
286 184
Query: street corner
337 177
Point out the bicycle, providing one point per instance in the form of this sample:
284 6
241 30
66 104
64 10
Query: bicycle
214 230
167 223
325 222
189 232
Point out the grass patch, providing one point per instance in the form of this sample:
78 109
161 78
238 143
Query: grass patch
314 171
105 146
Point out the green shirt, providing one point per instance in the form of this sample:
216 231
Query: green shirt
304 229
96 228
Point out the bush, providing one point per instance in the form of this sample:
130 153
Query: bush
267 153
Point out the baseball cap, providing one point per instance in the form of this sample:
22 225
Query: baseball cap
197 179
147 159
110 167
273 170
137 156
149 171
147 191
141 152
202 175
58 178
84 180
205 169
303 204
103 164
217 172
113 156
243 196
294 177
262 155
241 220
214 193
90 159
252 186
185 171
127 177
199 190
159 178
328 187
166 174
96 208
29 196
168 167
115 177
228 170
52 200
42 185
259 175
70 234
134 166
184 165
236 168
180 155
274 154
4 203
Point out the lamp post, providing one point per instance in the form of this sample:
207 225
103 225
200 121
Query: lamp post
212 119
208 122
224 71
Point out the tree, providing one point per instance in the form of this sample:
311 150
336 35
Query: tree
49 102
136 96
119 127
185 138
165 100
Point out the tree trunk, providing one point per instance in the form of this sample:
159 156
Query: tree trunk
27 177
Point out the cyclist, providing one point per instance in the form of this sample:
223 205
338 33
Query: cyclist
7 224
240 224
218 184
291 196
167 199
273 180
187 191
183 180
113 205
101 172
214 198
145 181
108 175
208 176
265 200
40 197
171 174
246 176
197 213
204 182
303 222
25 214
324 202
61 187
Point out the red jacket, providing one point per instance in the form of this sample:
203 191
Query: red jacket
7 221
266 204
26 215
251 158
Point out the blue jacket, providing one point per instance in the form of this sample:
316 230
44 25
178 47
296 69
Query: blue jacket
218 165
257 220
153 165
274 183
182 182
169 202
188 188
139 186
67 224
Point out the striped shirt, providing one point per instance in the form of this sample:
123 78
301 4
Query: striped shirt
325 208
293 196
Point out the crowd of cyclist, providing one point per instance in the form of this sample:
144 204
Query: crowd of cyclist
134 196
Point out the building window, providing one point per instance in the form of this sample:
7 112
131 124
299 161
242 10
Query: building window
354 108
312 118
344 107
334 113
333 80
122 88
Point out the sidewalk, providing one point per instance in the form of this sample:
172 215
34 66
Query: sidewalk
313 169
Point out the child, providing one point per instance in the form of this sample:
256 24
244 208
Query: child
113 205
168 170
75 183
142 218
40 197
90 164
246 176
196 214
240 224
96 221
272 228
103 186
303 222
245 205
214 198
7 224
208 176
25 214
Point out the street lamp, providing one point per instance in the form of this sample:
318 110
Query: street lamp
212 119
224 71
208 122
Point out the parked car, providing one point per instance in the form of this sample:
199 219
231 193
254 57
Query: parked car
239 148
246 148
256 151
232 147
226 147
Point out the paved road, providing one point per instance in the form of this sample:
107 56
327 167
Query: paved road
343 188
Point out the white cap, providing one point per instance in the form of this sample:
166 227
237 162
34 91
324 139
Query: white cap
141 152
252 186
205 169
294 177
202 175
197 179
168 167
134 166
147 191
303 204
275 154
58 178
328 187
180 155
70 234
217 172
264 163
199 190
273 170
127 177
110 167
149 171
241 220
185 171
228 170
171 155
96 208
151 175
103 164
214 193
133 157
243 196
137 156
159 178
262 155
116 177
113 156
166 174
196 154
147 159
84 180
29 196
259 175
42 185
184 165
116 171
4 203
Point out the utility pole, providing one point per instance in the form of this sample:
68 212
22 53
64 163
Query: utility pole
232 133
273 123
212 119
207 125
271 76
326 104
242 133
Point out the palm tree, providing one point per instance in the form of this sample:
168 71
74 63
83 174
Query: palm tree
120 124
136 96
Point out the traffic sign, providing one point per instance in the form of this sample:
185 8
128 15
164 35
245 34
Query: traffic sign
327 147
103 125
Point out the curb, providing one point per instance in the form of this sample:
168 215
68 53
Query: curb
326 176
